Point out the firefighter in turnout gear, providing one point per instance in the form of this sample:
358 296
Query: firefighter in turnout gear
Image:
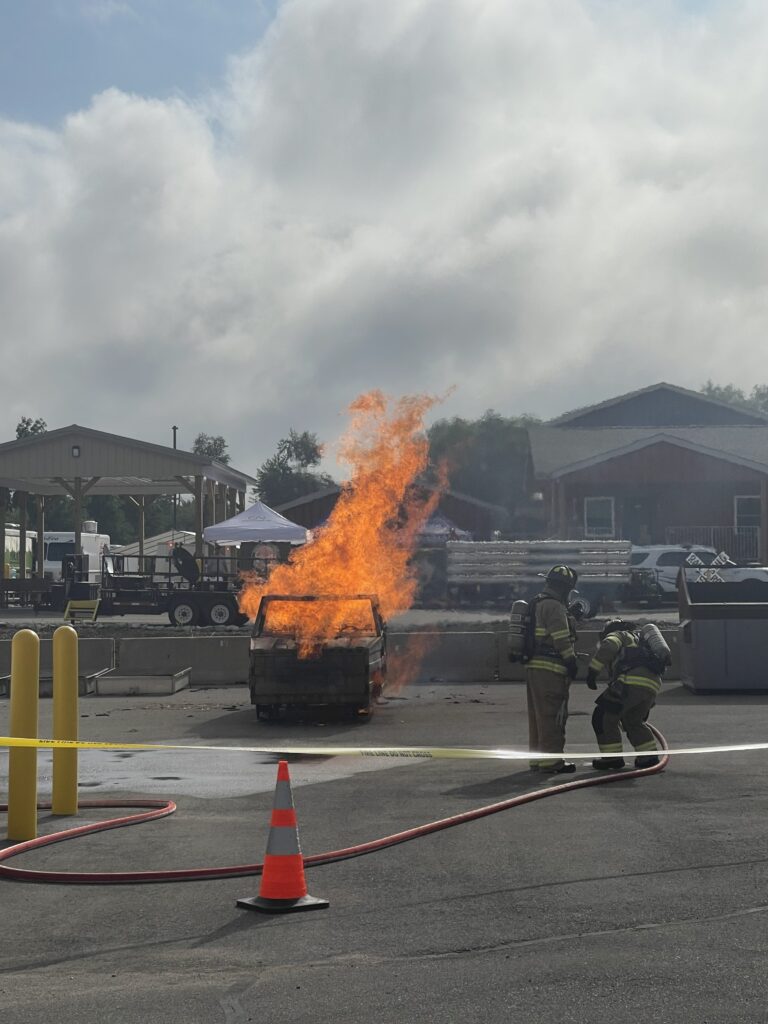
635 671
551 669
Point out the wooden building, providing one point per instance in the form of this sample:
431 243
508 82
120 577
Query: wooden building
663 465
480 518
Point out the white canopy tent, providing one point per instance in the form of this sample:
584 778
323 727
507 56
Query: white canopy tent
258 524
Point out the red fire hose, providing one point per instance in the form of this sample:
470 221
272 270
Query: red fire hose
162 808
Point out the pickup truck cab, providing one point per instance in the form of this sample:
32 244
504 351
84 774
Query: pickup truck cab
316 651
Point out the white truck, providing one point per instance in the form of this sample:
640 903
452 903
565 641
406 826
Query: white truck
59 543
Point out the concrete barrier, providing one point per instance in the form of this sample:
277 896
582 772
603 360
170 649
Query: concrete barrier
142 686
214 660
93 654
450 657
413 657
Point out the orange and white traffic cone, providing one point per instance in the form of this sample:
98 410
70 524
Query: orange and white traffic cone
283 886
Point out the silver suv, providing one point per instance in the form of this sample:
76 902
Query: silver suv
666 560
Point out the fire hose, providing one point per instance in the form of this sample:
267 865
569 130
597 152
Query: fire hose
162 808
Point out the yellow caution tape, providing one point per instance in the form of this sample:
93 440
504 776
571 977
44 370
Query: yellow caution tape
501 754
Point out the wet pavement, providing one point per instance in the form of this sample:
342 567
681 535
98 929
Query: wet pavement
646 898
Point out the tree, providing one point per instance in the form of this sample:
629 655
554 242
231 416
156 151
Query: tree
288 474
27 427
114 517
756 399
485 458
212 446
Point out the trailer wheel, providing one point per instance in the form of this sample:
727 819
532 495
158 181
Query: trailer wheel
222 613
183 613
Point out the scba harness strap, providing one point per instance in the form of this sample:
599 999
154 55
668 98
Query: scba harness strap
636 654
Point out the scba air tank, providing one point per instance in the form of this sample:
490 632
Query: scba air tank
651 635
518 631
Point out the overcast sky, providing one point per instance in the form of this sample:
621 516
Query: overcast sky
235 216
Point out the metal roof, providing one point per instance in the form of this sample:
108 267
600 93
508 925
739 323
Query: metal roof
568 417
556 451
326 491
43 463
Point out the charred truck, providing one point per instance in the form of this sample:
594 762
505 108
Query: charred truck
317 651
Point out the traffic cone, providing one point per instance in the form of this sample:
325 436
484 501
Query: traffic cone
283 886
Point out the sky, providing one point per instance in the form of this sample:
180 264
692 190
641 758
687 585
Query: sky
237 216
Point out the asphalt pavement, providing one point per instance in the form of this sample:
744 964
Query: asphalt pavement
642 900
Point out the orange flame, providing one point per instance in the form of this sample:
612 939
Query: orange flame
365 546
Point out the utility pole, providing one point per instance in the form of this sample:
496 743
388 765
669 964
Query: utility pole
175 497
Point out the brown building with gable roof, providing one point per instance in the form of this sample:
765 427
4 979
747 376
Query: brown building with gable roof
663 465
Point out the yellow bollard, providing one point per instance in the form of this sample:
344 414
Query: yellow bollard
22 762
65 724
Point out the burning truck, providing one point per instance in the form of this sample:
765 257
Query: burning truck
310 651
313 643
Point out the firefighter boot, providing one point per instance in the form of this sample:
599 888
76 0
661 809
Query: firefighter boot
647 761
563 768
608 764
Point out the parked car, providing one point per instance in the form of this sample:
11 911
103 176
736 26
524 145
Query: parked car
666 561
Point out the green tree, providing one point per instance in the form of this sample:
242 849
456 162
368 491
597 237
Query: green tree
756 399
485 458
213 446
27 427
289 473
113 514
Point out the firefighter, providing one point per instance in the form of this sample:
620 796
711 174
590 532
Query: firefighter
635 680
551 669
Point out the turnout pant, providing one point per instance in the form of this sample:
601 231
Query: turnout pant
628 712
547 714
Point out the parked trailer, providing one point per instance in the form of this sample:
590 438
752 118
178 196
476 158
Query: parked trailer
173 585
481 572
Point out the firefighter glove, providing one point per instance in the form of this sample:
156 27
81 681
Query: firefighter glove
592 679
571 667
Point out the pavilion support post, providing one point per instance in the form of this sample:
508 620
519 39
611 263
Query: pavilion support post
3 565
221 503
764 521
552 512
40 566
77 494
21 499
241 501
142 528
198 517
231 502
562 525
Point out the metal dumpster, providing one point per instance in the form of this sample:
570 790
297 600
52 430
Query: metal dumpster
723 633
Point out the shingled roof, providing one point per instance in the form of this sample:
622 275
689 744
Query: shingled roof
556 451
682 401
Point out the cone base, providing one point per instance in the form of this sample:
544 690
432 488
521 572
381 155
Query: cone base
266 906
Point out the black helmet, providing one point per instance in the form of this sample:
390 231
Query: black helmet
616 626
562 577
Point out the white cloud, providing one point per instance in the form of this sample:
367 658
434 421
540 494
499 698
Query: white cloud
104 11
545 202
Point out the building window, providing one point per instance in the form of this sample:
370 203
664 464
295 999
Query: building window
746 510
598 518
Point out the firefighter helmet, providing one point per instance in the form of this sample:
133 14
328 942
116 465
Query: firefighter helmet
616 626
563 577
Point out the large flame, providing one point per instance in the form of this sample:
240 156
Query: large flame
365 546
